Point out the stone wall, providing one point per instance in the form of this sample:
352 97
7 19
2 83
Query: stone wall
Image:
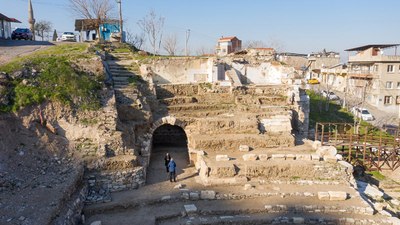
301 169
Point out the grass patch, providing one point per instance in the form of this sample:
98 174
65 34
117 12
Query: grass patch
323 111
134 80
88 121
377 175
58 79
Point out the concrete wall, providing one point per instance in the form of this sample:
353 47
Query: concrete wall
181 71
265 73
5 29
200 70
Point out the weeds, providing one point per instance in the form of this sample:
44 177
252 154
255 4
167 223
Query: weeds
57 80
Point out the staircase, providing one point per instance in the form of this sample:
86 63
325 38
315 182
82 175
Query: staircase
221 119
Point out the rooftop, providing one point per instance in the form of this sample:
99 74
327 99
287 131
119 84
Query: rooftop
365 47
227 38
91 24
13 20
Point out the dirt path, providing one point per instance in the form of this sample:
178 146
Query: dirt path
157 172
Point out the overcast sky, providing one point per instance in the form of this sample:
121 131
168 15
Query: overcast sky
300 26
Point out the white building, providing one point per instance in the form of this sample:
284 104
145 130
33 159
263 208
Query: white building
5 26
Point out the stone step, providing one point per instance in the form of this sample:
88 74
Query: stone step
229 142
121 63
120 69
120 86
275 210
120 78
119 82
226 124
233 217
178 100
195 106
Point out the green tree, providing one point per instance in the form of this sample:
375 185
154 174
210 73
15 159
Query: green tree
55 36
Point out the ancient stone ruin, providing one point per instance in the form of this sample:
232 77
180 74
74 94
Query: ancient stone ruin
237 127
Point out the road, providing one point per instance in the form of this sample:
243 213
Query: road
10 49
381 117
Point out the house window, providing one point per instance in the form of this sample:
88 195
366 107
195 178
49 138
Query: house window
387 100
390 69
389 84
398 85
375 69
397 100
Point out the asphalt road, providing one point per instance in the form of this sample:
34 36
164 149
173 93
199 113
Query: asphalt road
381 116
10 49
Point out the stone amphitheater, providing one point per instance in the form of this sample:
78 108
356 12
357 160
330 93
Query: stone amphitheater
237 127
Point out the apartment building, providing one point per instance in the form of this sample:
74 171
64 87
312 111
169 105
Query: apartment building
374 77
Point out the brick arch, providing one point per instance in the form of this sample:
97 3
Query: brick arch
167 120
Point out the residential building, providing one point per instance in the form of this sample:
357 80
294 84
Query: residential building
321 60
334 77
374 77
227 45
107 30
5 26
297 60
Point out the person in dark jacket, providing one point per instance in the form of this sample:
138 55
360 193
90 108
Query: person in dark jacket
167 158
172 169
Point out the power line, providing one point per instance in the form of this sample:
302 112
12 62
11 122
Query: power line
49 3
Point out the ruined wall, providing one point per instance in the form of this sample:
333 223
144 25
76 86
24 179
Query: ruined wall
266 73
183 70
250 69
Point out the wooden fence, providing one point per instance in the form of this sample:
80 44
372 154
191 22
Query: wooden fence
372 148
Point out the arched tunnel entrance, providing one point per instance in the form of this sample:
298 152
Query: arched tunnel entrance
170 139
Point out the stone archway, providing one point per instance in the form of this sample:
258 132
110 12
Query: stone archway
166 135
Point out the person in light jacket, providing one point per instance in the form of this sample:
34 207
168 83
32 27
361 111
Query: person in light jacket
172 169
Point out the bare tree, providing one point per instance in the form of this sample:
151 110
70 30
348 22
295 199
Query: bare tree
136 40
96 10
254 44
41 27
275 44
204 51
170 44
152 26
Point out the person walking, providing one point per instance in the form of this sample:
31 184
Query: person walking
172 169
167 158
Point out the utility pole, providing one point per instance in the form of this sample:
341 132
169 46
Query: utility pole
31 19
120 20
186 42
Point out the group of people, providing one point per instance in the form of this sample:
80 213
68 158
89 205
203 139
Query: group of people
170 166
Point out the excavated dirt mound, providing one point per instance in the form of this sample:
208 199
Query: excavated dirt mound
37 175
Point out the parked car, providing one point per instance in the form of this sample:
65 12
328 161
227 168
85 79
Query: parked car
68 36
22 33
313 81
329 95
362 113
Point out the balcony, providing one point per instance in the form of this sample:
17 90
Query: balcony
361 74
377 58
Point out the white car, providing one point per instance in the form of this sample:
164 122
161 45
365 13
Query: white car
68 36
329 95
362 113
